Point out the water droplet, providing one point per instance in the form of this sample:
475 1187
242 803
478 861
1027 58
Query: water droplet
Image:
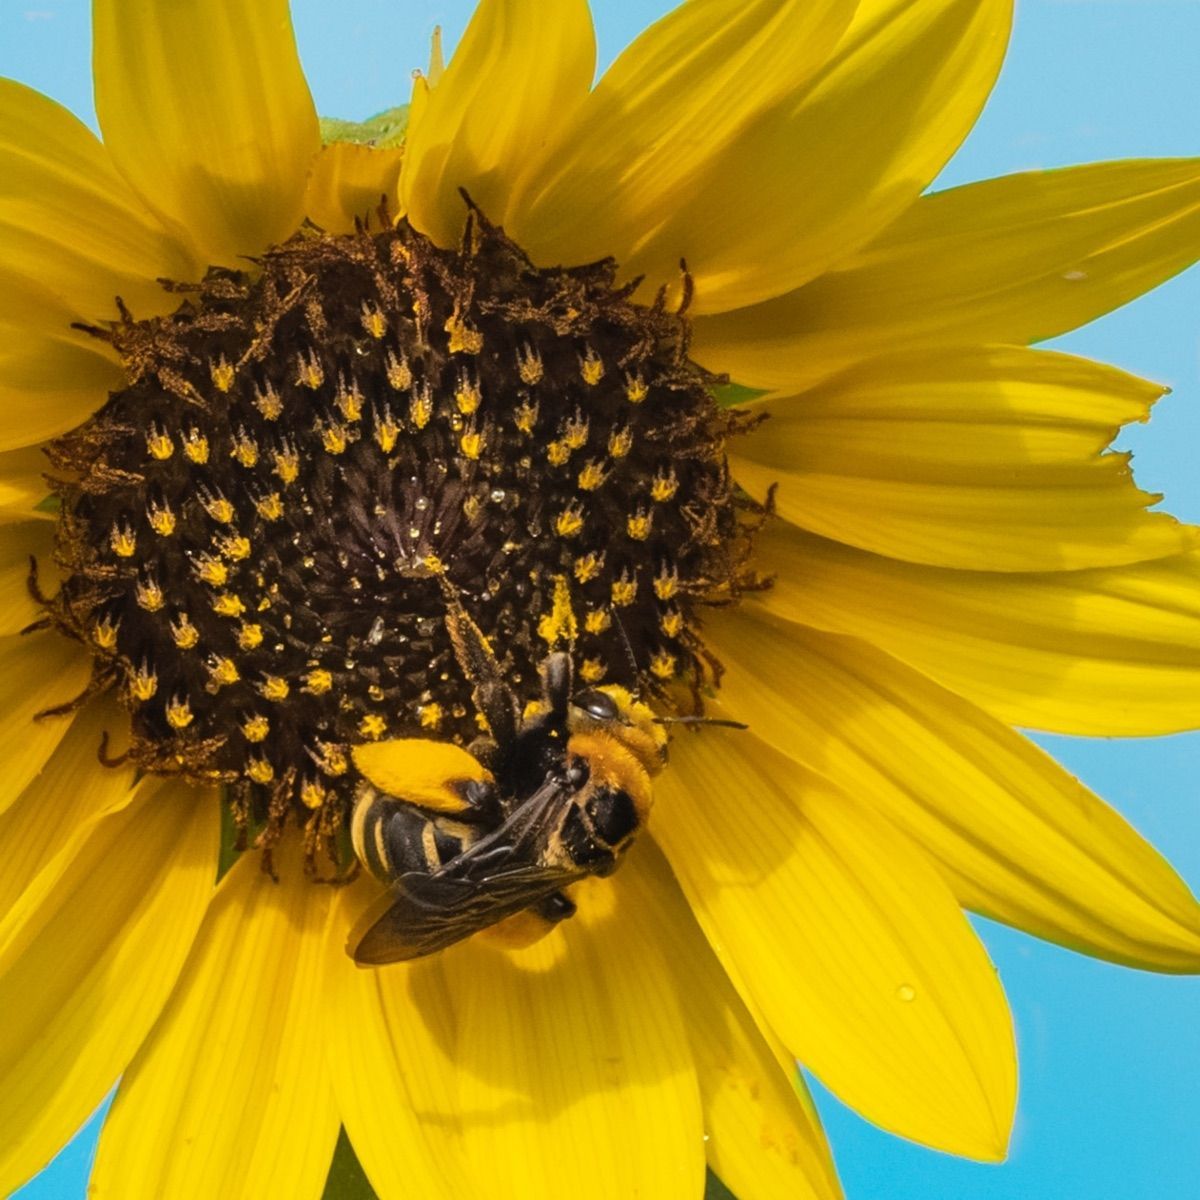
498 494
906 993
421 503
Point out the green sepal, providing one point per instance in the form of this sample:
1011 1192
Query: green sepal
385 129
48 504
346 1180
729 394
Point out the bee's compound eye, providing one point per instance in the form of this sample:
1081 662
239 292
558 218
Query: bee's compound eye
597 704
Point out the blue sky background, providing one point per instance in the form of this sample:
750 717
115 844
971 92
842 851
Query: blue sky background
1110 1059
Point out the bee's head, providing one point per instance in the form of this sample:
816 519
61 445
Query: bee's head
614 710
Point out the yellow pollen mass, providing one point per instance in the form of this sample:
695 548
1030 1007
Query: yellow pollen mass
559 624
184 634
526 415
331 758
245 450
309 372
350 402
569 522
268 403
666 583
235 548
575 432
217 507
143 683
399 374
592 670
529 366
420 407
624 591
597 621
228 604
588 566
195 446
179 713
274 687
665 486
104 633
222 671
159 444
463 339
312 794
250 637
123 541
620 442
287 465
269 507
211 570
558 453
149 595
591 368
372 727
373 320
671 623
592 476
258 770
430 716
472 506
333 438
638 525
256 729
318 682
471 444
467 396
635 389
222 374
662 665
386 431
162 520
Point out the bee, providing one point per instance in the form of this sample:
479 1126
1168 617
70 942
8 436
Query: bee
466 838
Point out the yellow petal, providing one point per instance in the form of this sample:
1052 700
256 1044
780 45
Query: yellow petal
18 543
764 1136
230 1095
516 78
1016 259
1108 652
846 938
673 102
88 957
50 381
72 789
575 1063
567 1060
809 180
37 671
348 182
205 111
1019 839
390 1038
23 485
986 458
68 221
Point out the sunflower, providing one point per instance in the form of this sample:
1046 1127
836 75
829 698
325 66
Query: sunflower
287 425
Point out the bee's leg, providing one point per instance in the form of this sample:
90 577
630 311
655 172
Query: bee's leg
558 906
492 696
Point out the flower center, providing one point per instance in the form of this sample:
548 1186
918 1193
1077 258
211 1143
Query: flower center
259 533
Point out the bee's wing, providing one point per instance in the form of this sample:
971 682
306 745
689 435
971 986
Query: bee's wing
498 876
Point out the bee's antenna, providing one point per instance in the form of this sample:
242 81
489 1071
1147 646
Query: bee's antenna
630 657
701 721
